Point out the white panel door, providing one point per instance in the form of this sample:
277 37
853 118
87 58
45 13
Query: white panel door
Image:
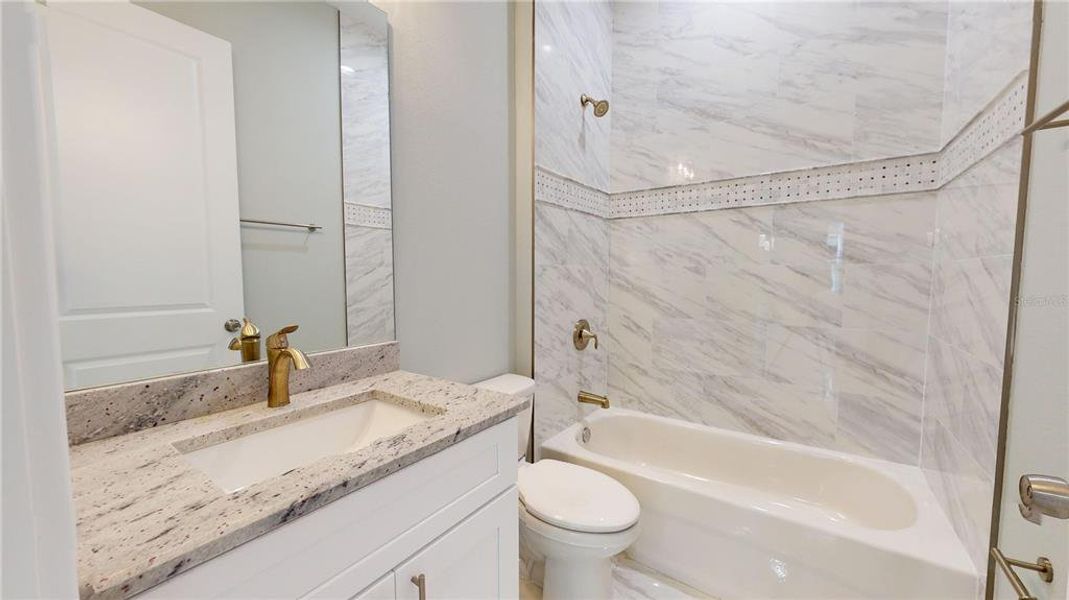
1038 421
476 560
148 248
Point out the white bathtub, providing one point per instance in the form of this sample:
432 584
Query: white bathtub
740 516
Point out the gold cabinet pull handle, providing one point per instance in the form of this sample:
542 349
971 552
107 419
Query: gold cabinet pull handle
420 581
1041 566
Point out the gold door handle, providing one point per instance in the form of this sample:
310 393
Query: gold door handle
420 581
1041 566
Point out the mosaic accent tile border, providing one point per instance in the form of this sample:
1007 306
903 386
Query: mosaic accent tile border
561 191
909 174
999 122
367 216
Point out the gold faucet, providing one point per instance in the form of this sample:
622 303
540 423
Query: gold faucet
248 341
279 357
588 398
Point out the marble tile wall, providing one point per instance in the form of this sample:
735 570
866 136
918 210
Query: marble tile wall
365 109
573 56
871 321
803 322
571 283
972 264
368 284
987 45
714 90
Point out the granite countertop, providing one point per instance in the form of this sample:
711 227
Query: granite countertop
144 514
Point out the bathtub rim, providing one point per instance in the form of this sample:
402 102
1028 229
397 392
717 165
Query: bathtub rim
950 553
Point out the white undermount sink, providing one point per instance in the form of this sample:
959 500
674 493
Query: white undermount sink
252 458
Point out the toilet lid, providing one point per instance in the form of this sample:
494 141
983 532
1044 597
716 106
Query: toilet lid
576 498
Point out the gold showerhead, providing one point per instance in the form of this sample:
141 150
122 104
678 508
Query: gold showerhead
600 106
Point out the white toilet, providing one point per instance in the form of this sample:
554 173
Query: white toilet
575 518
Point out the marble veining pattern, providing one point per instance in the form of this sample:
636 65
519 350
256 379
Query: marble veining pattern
972 265
987 44
989 132
369 285
1001 121
713 90
801 322
872 321
365 111
573 56
571 274
144 514
103 412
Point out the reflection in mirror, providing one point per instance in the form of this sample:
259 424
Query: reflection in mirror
365 113
196 144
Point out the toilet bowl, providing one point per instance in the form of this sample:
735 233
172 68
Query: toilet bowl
573 518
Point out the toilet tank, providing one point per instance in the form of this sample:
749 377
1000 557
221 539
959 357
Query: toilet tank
517 385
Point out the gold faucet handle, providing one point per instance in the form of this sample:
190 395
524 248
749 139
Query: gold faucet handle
249 330
278 340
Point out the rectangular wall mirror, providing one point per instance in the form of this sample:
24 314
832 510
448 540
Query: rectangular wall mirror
208 172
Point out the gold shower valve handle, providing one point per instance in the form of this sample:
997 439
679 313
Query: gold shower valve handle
581 335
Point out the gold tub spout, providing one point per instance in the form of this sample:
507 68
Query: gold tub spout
588 398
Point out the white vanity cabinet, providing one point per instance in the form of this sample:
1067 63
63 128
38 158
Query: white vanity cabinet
469 562
451 517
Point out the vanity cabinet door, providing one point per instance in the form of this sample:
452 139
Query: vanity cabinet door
383 589
475 560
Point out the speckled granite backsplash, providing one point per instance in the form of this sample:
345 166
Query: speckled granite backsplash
103 412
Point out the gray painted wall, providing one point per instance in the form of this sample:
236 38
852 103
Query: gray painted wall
452 152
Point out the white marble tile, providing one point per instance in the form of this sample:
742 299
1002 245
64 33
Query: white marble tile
805 295
977 211
704 327
965 395
977 221
369 285
970 299
887 296
709 345
573 56
961 487
365 111
713 90
775 409
870 230
987 45
571 283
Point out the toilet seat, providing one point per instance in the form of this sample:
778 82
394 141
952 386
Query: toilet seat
576 498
